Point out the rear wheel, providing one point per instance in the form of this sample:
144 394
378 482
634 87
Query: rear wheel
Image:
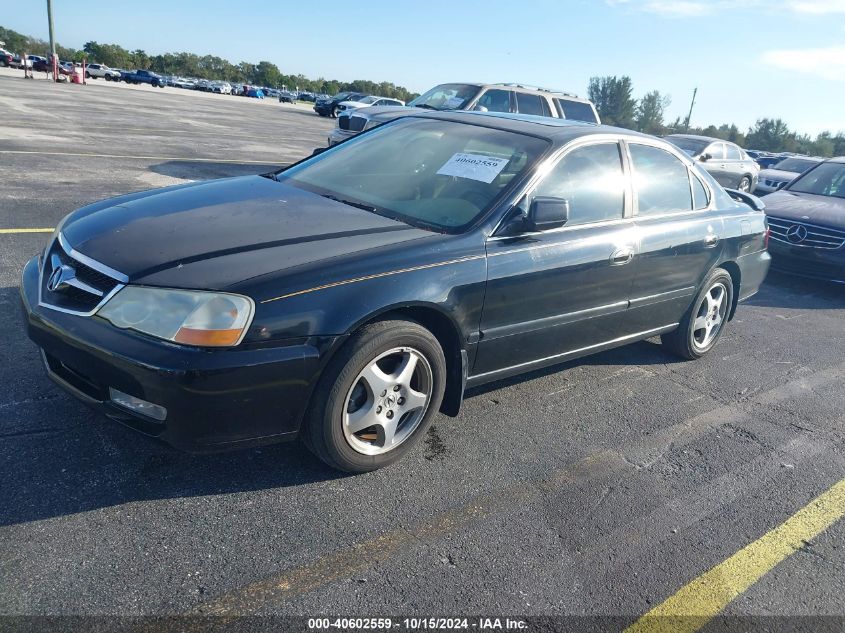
702 325
377 396
745 184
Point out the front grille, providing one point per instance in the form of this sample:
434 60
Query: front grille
81 288
806 235
343 122
357 123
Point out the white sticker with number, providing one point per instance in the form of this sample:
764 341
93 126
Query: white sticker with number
474 167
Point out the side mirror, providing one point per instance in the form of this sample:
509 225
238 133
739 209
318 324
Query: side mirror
319 150
705 157
479 108
547 213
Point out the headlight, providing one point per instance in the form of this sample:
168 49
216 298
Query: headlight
189 317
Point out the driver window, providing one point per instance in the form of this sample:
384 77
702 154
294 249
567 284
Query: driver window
592 180
496 101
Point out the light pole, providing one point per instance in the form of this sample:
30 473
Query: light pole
53 59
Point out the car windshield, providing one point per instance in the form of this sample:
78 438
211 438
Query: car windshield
797 165
691 146
828 179
369 100
446 97
433 174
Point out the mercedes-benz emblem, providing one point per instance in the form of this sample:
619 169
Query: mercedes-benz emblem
796 233
60 277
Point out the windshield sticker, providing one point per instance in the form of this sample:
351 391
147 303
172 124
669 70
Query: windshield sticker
452 103
473 167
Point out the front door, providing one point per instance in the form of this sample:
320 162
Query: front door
551 294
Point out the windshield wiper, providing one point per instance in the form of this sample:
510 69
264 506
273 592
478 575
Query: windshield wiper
426 106
351 203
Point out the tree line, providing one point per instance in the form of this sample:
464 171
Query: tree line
263 73
614 99
612 95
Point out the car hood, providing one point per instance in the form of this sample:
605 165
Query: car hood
778 174
807 207
218 233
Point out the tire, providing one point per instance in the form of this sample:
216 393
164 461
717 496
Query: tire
703 323
744 184
335 112
87 75
373 374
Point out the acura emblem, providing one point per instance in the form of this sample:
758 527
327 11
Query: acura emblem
60 277
796 233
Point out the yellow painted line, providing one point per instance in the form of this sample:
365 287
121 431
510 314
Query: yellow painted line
175 158
698 602
12 231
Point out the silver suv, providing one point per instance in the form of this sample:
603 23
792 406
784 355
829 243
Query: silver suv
472 96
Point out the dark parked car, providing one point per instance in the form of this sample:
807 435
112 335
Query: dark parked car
329 107
726 162
143 77
348 298
782 172
807 222
287 97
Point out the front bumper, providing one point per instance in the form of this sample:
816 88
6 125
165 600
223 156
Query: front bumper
215 399
816 263
337 135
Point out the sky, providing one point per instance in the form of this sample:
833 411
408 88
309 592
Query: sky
748 58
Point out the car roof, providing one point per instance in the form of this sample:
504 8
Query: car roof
555 129
698 137
836 159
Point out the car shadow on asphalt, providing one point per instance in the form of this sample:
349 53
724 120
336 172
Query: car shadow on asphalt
781 290
208 170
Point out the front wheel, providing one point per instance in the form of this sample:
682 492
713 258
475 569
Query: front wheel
377 397
702 325
335 112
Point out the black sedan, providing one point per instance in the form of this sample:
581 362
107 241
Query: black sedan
807 221
350 297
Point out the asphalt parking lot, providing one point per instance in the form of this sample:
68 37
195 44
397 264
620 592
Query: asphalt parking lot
599 488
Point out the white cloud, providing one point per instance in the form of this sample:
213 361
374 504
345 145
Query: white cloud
817 7
828 63
696 8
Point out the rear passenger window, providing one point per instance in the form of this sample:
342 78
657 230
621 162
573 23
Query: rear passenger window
496 101
700 198
591 178
660 180
576 110
732 152
529 104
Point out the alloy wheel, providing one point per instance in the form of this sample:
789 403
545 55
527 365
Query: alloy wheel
388 400
710 316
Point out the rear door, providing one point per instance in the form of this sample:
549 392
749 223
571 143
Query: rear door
716 163
553 293
680 239
735 168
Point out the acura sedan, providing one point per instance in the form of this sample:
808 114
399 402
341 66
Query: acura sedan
350 297
807 220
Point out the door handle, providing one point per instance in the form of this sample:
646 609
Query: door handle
711 240
621 256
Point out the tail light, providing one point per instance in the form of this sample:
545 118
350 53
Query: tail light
766 236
